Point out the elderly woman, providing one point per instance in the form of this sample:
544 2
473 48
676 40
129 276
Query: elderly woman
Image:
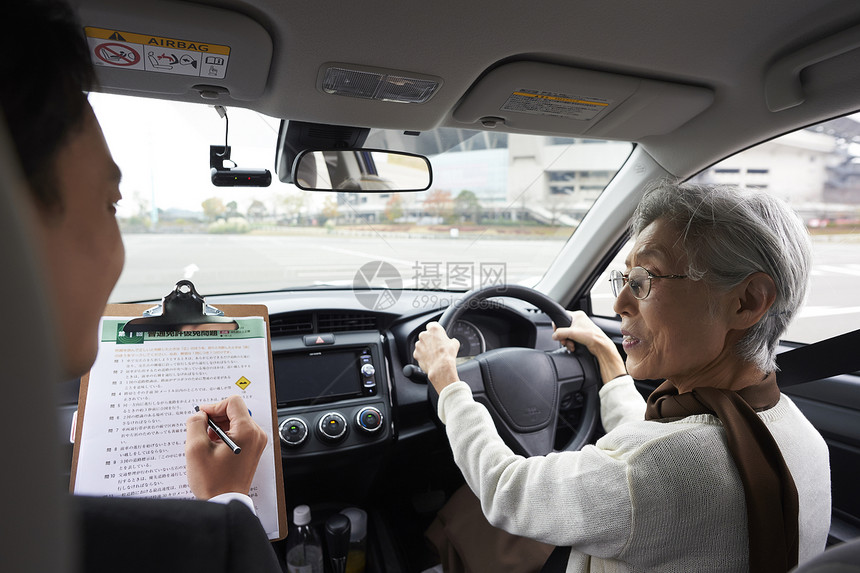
717 471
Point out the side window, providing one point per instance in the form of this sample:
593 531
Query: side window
817 171
602 299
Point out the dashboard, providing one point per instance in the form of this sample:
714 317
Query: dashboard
341 392
339 372
354 429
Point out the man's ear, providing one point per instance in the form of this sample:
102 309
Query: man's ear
752 299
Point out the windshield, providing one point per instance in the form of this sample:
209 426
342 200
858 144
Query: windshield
500 208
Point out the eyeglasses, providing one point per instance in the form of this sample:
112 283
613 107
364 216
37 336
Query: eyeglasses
639 280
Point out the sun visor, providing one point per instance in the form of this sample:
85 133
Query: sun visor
539 97
176 48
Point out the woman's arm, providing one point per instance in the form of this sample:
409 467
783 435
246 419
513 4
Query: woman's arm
571 498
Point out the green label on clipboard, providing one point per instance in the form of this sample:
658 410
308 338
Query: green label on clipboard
123 338
112 331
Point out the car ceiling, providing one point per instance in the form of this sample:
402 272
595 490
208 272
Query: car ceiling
693 75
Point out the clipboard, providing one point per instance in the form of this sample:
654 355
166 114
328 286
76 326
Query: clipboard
181 308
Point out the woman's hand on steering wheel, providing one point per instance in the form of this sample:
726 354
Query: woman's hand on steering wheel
436 354
582 330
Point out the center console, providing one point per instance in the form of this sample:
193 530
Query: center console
333 393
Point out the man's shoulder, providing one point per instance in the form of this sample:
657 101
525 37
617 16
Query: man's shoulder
170 535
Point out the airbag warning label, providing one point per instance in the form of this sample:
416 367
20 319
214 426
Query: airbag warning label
117 49
556 104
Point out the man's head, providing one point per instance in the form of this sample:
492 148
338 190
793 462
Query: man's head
73 181
44 104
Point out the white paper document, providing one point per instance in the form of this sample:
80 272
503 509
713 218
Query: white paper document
141 390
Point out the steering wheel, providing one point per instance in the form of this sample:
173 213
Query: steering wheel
522 387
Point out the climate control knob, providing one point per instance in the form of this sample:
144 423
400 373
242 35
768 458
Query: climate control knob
293 431
332 426
369 419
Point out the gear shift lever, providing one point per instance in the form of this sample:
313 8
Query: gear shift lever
337 529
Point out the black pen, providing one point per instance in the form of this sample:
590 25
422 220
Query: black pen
233 445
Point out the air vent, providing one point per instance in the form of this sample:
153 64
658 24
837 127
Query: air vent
292 324
342 321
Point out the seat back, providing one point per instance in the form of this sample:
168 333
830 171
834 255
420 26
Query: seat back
34 530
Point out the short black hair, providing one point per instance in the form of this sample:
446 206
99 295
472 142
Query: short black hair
46 71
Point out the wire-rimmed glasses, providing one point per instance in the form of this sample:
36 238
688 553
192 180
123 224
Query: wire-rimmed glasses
639 279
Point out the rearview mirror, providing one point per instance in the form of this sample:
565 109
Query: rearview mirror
361 170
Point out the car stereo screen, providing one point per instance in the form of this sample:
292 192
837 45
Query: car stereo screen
307 376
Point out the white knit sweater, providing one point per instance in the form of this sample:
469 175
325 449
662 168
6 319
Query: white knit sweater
649 496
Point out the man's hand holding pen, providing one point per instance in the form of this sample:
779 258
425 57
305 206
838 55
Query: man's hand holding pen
213 468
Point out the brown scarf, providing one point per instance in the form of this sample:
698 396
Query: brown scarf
769 490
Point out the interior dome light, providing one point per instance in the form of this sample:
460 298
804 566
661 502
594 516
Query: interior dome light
377 85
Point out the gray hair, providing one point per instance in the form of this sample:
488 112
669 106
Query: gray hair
730 233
